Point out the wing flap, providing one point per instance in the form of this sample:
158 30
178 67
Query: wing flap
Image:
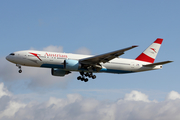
158 63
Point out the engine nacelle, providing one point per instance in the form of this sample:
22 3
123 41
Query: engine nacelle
59 72
71 65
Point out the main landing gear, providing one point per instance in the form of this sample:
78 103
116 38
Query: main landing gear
87 74
20 70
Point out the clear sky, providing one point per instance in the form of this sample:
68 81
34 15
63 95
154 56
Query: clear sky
89 27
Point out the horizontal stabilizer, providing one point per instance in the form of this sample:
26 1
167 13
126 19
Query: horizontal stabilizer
158 63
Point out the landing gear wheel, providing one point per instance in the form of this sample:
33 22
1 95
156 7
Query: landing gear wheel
82 79
84 76
79 77
19 66
94 77
85 80
20 71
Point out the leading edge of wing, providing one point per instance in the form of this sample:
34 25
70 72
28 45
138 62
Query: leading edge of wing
105 57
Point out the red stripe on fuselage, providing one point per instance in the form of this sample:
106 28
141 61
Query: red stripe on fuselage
36 55
145 58
158 40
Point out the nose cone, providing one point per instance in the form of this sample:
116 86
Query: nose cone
7 57
10 57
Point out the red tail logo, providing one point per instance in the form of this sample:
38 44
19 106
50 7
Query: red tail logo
153 50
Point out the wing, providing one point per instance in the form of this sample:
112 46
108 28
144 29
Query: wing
104 57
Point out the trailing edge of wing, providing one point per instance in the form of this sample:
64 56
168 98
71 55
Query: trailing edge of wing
158 63
104 57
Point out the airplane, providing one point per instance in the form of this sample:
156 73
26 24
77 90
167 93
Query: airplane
62 64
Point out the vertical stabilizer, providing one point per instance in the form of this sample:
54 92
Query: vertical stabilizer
149 55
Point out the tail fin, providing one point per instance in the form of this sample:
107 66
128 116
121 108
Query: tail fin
149 55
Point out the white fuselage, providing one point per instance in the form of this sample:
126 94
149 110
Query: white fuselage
56 60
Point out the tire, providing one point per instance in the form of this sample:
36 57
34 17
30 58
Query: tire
78 78
20 71
94 77
86 80
82 79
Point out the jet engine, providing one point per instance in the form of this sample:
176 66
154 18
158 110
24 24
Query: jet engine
71 65
59 72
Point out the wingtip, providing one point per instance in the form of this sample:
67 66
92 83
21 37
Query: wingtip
135 46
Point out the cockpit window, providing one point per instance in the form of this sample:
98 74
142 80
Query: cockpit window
12 54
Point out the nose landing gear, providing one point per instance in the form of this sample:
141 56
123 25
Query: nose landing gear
20 70
87 74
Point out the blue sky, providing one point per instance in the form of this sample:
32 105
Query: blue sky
97 27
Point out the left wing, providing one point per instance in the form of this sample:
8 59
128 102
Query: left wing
104 57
